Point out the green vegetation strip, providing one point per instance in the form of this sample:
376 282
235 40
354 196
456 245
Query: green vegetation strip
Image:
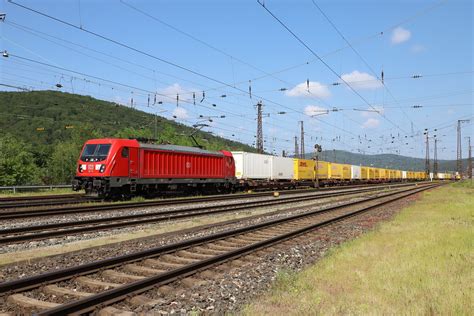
418 263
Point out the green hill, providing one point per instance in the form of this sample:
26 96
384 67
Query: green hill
51 127
43 132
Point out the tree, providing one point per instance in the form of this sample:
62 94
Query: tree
17 164
62 164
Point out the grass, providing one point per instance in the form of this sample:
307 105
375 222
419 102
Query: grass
419 263
39 192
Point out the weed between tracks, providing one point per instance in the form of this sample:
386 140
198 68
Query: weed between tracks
39 192
419 263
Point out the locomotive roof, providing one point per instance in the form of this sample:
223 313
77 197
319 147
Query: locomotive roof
181 149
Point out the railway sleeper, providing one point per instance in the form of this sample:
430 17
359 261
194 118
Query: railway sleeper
264 235
194 255
62 291
192 282
173 258
222 248
242 240
232 243
207 251
96 285
121 277
142 300
112 311
155 263
30 303
134 268
250 235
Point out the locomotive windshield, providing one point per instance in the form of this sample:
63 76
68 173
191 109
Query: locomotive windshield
95 152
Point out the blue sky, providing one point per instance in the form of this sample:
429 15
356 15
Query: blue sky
231 42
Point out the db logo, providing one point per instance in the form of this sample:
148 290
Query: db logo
188 165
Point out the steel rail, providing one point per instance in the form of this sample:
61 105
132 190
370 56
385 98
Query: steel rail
36 281
118 206
68 228
89 304
37 197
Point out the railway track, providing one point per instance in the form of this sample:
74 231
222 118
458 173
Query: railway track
38 232
4 215
90 287
36 201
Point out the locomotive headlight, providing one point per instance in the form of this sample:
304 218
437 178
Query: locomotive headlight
102 168
82 168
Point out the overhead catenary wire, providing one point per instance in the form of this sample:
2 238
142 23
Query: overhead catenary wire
324 62
152 56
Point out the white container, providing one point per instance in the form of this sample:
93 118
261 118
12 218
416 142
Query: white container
404 174
441 175
355 172
252 166
282 168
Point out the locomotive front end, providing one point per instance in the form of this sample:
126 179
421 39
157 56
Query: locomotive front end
93 168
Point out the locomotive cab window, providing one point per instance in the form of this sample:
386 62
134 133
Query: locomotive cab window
125 152
95 152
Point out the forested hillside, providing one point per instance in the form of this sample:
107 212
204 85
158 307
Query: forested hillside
43 132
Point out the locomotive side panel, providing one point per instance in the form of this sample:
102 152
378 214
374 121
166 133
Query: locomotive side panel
174 164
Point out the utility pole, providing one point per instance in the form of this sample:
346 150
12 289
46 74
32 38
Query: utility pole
459 150
469 161
435 158
259 128
302 141
317 150
297 152
427 157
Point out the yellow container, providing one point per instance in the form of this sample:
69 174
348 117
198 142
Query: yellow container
377 173
304 169
371 173
398 174
383 173
364 173
335 171
346 172
323 170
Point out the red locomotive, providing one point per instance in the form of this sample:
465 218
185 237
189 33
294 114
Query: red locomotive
113 167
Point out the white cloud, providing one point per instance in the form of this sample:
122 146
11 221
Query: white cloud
317 90
400 35
361 80
185 94
180 113
417 48
371 123
312 110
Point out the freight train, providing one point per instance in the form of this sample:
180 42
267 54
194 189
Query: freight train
121 168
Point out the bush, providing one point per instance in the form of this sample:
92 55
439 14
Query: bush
17 163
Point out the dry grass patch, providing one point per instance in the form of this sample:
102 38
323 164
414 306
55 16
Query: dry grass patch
419 263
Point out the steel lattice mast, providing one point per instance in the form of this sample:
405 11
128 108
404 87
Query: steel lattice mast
259 128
